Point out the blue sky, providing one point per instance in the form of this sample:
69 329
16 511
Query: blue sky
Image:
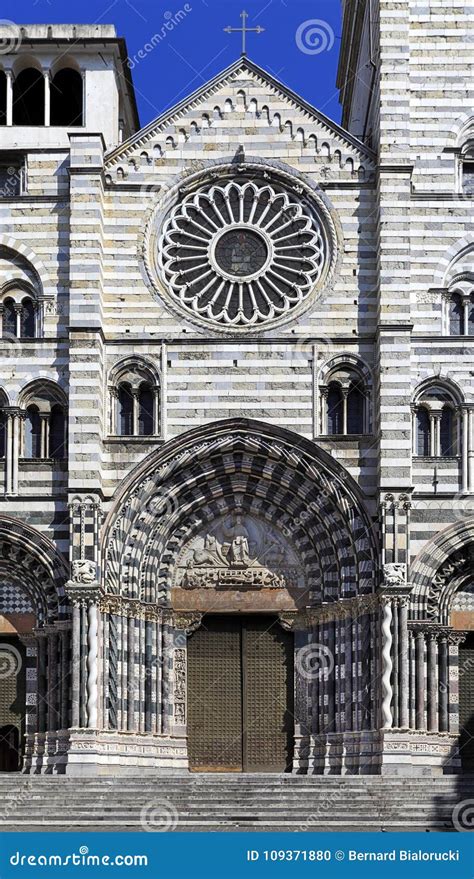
300 45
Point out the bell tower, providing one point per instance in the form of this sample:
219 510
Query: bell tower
60 79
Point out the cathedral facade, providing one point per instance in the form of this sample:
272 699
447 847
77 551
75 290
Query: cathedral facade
237 410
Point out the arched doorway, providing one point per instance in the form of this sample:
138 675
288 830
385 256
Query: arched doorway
34 650
12 703
229 550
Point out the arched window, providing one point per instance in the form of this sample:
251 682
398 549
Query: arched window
423 432
66 98
335 410
446 432
125 410
467 169
355 409
134 398
345 398
146 403
9 318
32 448
44 430
27 319
437 422
18 316
57 432
28 97
470 316
456 316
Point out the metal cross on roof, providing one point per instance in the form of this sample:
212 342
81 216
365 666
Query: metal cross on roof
244 30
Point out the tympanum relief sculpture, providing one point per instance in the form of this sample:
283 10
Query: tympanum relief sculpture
239 552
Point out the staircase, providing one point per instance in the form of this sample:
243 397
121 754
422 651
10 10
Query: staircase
228 802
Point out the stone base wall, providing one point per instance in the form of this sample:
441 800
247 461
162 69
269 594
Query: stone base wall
377 752
89 752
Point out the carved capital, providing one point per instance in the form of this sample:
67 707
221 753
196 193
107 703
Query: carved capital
83 595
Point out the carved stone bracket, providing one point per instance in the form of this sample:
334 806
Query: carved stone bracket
394 582
187 622
84 571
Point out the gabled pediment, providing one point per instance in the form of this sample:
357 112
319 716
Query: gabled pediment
243 105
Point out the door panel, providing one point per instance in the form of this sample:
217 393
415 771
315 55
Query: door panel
215 696
240 695
466 702
267 696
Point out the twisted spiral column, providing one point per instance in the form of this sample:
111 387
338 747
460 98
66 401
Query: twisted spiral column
387 665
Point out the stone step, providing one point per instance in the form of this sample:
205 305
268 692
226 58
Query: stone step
274 826
229 803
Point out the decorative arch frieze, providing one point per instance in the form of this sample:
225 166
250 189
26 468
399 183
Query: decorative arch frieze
31 562
247 466
444 565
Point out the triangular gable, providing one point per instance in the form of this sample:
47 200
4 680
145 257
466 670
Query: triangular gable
246 92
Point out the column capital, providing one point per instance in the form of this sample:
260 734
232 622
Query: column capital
82 594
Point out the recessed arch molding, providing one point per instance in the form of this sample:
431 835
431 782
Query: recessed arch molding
248 466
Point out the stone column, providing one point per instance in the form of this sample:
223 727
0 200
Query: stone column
432 681
470 451
44 421
9 108
136 411
53 680
42 681
47 99
465 448
8 451
85 593
323 396
404 688
387 693
92 665
420 679
394 593
65 637
76 665
443 683
435 434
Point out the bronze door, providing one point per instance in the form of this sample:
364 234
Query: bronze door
240 695
214 696
466 702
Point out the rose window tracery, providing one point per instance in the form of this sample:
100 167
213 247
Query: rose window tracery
242 253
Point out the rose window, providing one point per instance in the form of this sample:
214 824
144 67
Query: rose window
242 254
